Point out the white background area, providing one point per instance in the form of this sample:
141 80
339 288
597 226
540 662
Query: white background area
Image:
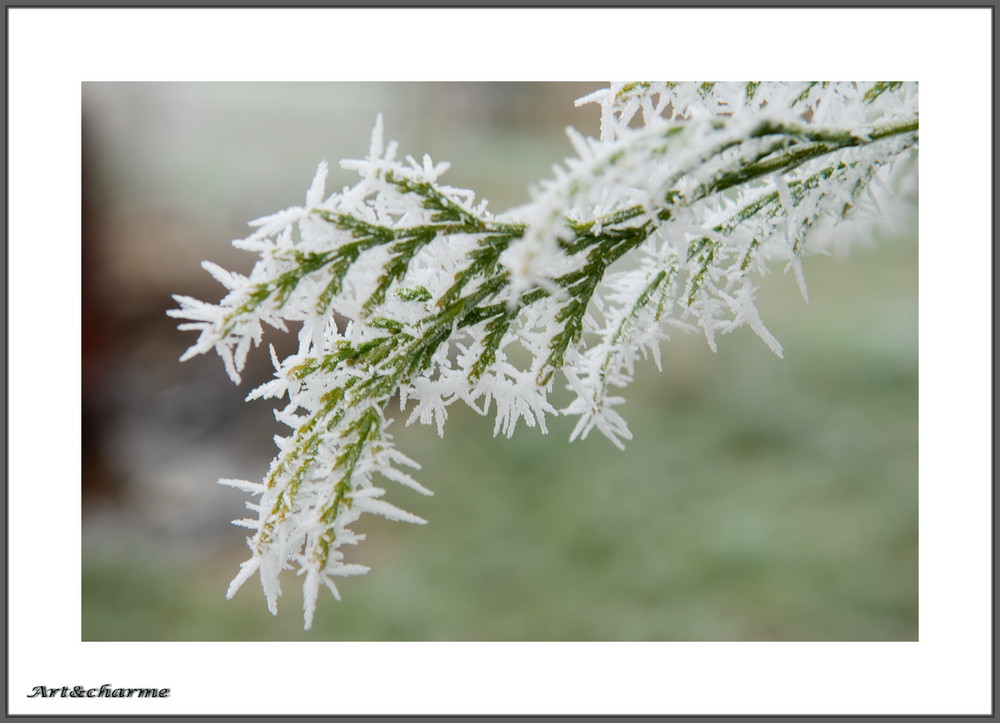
52 51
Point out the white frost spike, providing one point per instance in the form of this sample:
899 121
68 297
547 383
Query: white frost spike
274 224
247 568
579 143
332 587
270 567
390 512
227 359
310 591
404 479
227 278
748 314
318 188
348 570
800 278
376 146
785 195
254 488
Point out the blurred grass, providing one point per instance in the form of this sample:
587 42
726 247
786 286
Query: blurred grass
761 499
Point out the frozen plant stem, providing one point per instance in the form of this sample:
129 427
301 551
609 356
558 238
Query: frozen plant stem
703 186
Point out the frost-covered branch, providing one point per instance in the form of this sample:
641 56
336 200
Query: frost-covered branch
406 288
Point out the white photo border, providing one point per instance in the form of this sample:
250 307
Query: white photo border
949 52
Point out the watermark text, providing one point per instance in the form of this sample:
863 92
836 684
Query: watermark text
105 691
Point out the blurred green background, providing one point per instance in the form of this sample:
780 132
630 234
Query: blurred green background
761 498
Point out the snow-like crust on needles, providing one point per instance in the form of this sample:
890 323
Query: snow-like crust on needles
408 291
